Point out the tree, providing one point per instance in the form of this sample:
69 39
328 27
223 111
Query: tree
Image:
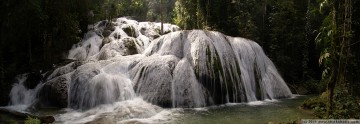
335 37
162 17
354 59
185 14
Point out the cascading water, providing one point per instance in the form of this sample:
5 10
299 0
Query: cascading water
21 96
124 61
217 69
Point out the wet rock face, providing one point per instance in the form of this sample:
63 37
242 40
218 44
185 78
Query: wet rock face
63 69
111 27
105 32
79 81
152 34
105 41
130 47
153 77
218 69
130 30
55 92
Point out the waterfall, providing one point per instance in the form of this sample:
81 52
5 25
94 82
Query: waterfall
209 68
22 97
125 60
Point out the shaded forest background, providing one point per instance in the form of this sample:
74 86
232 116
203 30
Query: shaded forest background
314 43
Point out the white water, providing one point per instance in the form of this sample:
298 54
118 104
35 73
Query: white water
135 110
180 69
22 98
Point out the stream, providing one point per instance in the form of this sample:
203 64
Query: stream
276 111
260 112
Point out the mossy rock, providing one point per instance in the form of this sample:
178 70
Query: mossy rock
150 33
105 41
158 30
143 30
130 46
166 32
110 27
55 93
130 30
62 69
106 33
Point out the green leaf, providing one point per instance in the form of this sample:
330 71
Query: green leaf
323 57
329 33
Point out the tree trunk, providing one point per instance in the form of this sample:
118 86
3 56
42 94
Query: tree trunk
335 68
198 14
346 37
342 21
2 68
207 13
162 17
44 45
330 91
29 51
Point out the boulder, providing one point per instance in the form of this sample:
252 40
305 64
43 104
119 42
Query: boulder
102 23
130 30
79 82
55 93
151 34
110 26
130 47
154 80
166 31
106 40
63 69
106 33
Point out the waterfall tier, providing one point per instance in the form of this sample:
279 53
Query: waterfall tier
126 59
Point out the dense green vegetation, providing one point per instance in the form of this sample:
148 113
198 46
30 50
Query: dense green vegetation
278 26
30 120
314 43
35 34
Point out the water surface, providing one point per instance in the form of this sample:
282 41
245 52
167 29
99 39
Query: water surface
277 111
